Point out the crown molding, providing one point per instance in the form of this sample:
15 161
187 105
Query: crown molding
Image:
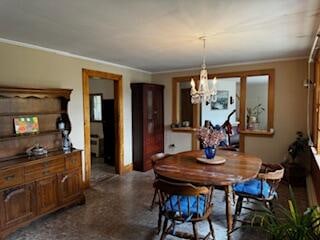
232 65
67 54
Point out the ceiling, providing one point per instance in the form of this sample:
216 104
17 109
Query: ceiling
155 36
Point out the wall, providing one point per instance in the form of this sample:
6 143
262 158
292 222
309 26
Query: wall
290 108
106 87
26 67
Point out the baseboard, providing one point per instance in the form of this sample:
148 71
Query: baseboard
312 198
128 168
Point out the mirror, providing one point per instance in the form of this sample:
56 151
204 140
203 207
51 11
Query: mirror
257 102
96 107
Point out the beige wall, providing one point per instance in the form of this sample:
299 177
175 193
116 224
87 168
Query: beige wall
290 108
26 67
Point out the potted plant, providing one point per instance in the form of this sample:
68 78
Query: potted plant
253 116
297 161
289 223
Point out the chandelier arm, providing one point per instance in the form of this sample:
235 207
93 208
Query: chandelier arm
204 54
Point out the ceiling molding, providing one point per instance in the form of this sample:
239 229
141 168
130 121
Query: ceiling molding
67 54
232 65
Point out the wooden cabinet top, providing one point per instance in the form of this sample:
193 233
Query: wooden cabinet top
32 160
34 92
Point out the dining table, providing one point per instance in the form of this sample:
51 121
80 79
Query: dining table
187 167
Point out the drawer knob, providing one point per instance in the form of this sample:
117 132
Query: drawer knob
8 178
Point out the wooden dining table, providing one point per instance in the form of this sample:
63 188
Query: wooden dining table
184 167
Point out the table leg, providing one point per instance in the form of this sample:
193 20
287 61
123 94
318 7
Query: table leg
228 192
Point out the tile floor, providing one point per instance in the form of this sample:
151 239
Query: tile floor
117 209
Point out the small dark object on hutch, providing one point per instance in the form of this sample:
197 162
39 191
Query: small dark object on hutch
36 185
147 123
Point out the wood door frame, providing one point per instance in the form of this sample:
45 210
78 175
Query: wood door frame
118 111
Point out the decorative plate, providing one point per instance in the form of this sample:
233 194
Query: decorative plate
215 160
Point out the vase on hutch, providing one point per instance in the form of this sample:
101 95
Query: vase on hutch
210 152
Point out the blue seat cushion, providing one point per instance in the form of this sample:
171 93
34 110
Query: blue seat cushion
253 187
171 205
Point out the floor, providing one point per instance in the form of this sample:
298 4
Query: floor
100 171
118 208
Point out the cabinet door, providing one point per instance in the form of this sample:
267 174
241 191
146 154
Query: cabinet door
158 117
69 186
17 205
47 197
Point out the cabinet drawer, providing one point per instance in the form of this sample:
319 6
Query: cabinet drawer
73 161
44 169
11 177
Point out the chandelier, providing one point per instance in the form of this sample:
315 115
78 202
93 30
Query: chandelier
204 94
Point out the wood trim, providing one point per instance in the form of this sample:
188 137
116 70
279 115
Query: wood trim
128 168
271 95
243 91
257 133
316 102
118 108
175 117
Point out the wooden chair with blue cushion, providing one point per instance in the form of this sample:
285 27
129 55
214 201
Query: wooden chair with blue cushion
154 158
263 188
182 203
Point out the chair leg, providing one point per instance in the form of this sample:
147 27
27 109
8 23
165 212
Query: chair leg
211 228
159 221
269 205
239 205
237 211
153 199
195 232
164 229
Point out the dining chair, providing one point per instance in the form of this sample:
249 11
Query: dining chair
184 203
262 189
154 158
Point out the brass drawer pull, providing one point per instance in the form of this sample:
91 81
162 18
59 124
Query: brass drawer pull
8 178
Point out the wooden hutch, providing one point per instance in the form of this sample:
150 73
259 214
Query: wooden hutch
31 187
147 123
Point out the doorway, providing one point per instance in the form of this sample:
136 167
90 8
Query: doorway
95 135
102 129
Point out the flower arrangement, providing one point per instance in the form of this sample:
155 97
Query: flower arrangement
209 137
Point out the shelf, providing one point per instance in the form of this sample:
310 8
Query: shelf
265 133
184 129
15 136
30 113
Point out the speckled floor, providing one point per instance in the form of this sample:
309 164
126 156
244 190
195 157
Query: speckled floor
100 171
116 209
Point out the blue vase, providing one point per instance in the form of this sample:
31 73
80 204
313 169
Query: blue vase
210 152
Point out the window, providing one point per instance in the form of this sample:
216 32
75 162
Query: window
96 107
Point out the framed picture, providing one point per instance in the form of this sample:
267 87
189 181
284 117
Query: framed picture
221 102
28 124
